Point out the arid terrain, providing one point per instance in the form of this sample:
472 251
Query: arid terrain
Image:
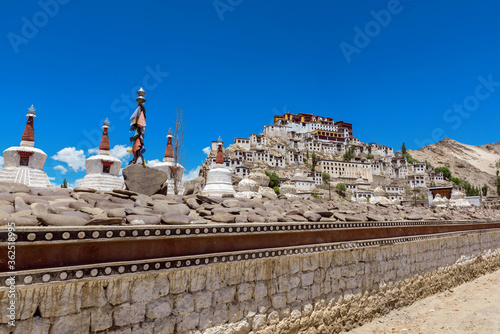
473 307
475 164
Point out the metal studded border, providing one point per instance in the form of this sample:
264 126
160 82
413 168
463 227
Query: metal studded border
48 234
107 270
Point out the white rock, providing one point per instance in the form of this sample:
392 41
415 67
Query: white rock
248 185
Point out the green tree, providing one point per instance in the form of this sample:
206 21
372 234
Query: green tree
497 165
341 189
326 179
445 170
427 164
64 184
276 190
369 156
314 161
485 190
497 184
274 179
325 176
349 154
403 148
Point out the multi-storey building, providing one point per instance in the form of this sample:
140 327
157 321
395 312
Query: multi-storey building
346 170
394 192
436 177
416 180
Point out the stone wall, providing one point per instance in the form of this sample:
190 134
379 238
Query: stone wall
319 292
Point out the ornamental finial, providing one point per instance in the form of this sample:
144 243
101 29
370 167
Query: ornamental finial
140 99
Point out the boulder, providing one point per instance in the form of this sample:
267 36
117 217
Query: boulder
223 217
84 190
144 180
248 185
38 209
182 209
354 218
75 214
241 219
324 213
312 216
61 220
375 217
141 211
106 221
19 221
143 220
259 177
116 213
78 205
288 189
252 218
268 193
297 218
20 205
142 200
176 219
248 195
10 187
193 186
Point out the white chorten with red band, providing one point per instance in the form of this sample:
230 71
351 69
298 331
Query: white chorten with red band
103 169
219 178
174 170
24 163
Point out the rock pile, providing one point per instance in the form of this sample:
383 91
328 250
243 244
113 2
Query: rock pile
63 207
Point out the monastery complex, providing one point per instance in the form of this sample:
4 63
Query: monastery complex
286 147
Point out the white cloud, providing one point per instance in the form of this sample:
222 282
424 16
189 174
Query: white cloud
207 150
75 184
75 159
152 163
1 162
119 151
62 169
192 174
93 150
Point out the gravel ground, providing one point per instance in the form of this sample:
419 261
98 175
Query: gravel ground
473 307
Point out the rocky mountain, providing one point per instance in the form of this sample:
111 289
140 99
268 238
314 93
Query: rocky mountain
476 164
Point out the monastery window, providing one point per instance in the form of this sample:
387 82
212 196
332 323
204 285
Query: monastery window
24 161
106 169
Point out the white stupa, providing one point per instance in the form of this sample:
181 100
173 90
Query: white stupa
103 169
174 170
24 163
218 178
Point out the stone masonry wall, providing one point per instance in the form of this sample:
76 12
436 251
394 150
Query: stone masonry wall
313 293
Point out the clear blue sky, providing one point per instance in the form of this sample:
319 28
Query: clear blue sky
234 64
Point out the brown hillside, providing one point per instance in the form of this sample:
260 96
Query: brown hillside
475 164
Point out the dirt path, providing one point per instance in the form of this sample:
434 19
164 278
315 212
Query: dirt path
473 307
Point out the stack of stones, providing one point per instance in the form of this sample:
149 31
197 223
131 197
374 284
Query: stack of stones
82 206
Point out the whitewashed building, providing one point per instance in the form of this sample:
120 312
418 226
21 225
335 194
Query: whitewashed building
24 163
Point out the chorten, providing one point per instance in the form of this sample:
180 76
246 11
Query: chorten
174 170
24 163
218 178
103 169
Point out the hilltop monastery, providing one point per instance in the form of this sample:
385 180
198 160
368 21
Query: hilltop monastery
286 147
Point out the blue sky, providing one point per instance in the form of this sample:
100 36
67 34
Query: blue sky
398 70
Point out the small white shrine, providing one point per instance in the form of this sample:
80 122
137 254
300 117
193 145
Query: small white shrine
24 163
103 169
218 178
174 170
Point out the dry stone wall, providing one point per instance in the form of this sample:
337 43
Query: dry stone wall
321 292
